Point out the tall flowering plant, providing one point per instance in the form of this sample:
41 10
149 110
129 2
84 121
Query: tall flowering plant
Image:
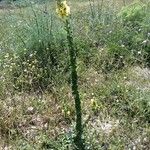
63 11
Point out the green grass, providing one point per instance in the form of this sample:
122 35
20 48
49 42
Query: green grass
36 104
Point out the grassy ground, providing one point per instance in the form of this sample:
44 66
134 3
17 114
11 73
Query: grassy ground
115 93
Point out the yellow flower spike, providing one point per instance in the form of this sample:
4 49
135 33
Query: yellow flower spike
63 10
68 113
94 104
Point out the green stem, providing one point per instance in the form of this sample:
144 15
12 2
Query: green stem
74 85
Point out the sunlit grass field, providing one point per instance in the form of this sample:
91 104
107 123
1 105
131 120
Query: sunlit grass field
112 39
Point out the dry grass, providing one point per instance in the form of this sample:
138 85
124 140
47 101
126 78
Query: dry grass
110 122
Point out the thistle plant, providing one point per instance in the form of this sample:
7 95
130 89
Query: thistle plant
63 10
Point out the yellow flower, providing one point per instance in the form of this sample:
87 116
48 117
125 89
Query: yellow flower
63 10
94 103
68 113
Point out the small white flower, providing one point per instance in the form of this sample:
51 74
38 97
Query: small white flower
110 32
125 77
31 55
122 45
145 41
30 109
7 55
118 86
134 147
25 70
145 139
